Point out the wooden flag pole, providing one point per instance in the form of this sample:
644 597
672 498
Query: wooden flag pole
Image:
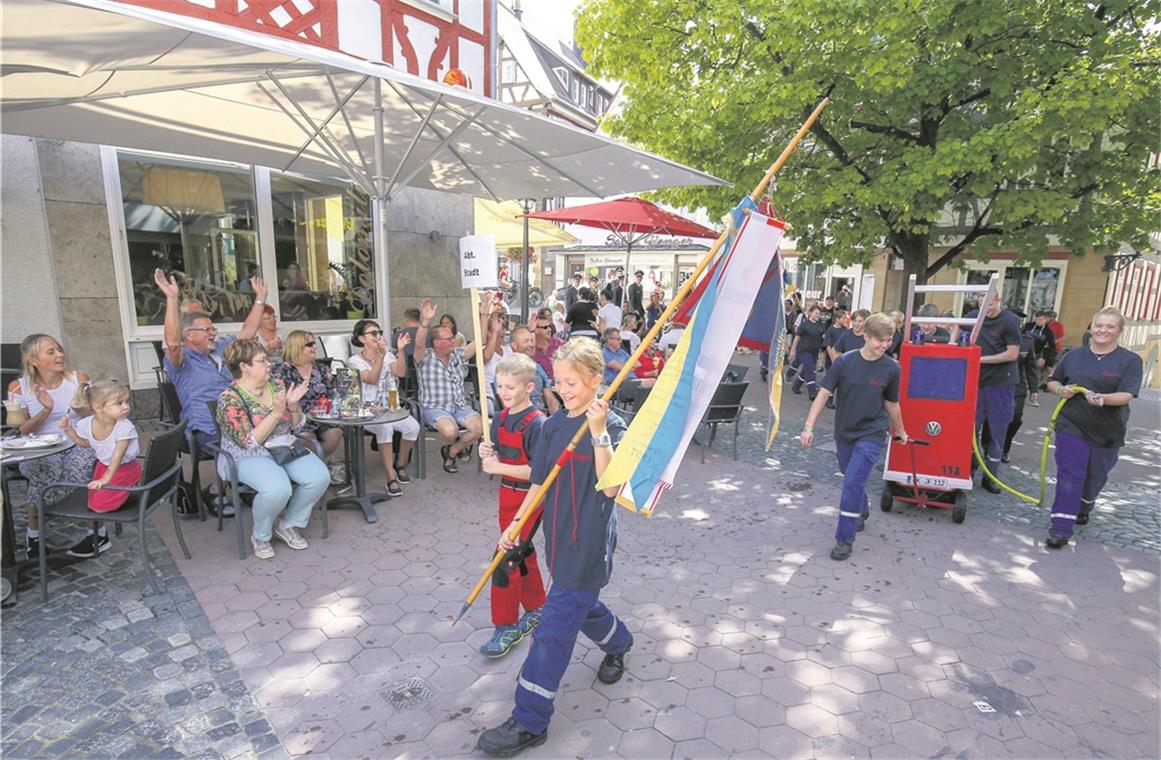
641 348
482 382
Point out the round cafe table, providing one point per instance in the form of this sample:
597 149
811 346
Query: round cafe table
353 435
10 458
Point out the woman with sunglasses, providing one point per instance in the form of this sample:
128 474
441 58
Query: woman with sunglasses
372 363
298 365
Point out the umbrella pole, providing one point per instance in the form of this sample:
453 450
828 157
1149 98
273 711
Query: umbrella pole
628 271
379 214
611 391
525 311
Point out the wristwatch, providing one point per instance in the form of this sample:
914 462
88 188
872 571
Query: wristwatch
602 441
259 302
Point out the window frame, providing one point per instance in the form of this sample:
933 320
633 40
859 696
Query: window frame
1001 265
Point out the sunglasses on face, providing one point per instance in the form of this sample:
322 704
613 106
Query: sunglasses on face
543 327
373 333
309 344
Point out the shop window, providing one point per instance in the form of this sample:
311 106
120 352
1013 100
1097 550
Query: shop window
323 250
196 223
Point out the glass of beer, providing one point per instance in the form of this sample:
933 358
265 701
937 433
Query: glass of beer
393 399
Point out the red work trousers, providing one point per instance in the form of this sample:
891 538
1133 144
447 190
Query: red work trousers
525 591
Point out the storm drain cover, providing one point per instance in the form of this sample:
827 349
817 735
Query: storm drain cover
408 694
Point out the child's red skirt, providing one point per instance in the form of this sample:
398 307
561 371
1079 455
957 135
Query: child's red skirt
128 474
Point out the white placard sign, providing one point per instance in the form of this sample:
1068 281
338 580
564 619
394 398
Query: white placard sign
478 266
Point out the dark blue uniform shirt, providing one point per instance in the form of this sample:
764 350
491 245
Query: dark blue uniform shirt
1115 372
862 386
580 523
848 341
810 336
996 334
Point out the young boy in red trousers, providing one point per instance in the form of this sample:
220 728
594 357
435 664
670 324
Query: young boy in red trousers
515 431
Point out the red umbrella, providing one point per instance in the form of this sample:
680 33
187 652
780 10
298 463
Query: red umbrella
630 219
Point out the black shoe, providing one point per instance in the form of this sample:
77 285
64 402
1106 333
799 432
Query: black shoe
1056 542
862 524
813 395
841 551
218 501
1005 459
763 373
797 387
32 544
90 547
1082 518
613 666
990 485
830 403
509 739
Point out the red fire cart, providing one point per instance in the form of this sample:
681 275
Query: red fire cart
937 397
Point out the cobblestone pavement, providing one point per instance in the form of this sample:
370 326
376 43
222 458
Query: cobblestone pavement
108 669
1128 513
932 641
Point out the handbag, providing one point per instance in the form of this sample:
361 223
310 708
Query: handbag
283 449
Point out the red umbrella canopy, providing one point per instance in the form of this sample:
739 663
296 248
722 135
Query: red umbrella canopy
632 218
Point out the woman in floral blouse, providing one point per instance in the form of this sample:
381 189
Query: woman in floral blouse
255 413
298 365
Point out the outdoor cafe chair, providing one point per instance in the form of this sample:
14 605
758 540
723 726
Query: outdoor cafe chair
189 491
725 408
630 400
239 489
161 472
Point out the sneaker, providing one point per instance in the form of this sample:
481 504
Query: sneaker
32 545
90 546
613 666
841 551
290 536
503 639
338 473
1056 542
830 403
509 739
262 549
347 490
528 622
218 502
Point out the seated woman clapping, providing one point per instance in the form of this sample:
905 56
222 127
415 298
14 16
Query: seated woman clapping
257 416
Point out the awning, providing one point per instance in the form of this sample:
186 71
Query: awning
103 72
504 221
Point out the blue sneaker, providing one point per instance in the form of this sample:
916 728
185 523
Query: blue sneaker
528 622
503 639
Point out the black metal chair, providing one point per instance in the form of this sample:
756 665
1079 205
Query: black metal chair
735 373
239 489
725 408
631 401
190 491
160 477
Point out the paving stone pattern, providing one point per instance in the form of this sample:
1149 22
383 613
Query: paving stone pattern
107 669
934 640
1128 513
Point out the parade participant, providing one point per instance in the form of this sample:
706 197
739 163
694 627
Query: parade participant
837 327
636 292
999 342
930 332
868 406
804 349
571 292
1043 352
1091 427
376 366
516 431
48 391
826 311
1026 384
580 537
852 338
897 338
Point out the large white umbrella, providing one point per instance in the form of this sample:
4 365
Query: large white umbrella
104 72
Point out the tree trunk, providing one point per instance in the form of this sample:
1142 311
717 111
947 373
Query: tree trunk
914 248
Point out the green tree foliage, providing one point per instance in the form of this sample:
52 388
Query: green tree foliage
976 125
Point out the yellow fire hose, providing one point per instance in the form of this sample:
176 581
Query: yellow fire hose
1043 455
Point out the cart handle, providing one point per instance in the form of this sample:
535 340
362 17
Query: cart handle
916 441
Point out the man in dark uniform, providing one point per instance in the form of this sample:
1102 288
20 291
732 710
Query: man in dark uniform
807 342
637 294
571 290
999 342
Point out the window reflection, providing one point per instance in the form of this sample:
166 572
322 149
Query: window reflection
322 244
198 224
